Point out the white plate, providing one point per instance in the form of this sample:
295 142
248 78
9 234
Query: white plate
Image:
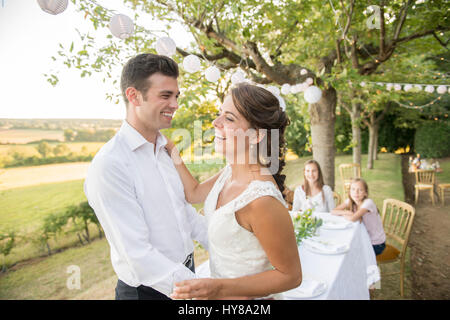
297 293
332 224
318 249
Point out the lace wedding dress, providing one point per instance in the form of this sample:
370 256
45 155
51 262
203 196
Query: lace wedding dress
233 250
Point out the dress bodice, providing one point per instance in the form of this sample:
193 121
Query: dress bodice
233 250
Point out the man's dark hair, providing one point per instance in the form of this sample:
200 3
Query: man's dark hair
137 70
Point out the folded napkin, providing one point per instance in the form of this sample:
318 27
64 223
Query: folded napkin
308 288
325 246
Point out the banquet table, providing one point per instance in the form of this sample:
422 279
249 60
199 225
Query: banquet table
347 275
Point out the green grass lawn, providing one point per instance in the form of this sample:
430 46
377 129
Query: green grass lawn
45 278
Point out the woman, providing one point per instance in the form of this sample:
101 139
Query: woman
252 247
313 193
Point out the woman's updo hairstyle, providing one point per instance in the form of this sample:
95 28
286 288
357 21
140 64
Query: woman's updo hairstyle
262 110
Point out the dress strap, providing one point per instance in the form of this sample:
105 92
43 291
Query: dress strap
255 190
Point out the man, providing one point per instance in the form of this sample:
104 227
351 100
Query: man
136 192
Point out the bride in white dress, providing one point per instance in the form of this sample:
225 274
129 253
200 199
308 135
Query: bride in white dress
252 248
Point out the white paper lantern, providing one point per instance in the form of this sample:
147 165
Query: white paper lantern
294 89
448 89
165 46
418 87
212 74
309 81
121 26
313 94
397 87
191 63
407 87
429 89
441 89
237 77
380 83
274 90
303 72
286 88
282 102
389 86
53 6
362 84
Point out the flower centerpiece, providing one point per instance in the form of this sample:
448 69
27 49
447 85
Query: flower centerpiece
305 225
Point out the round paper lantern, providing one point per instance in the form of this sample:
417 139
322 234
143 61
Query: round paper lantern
362 84
313 94
286 88
303 72
121 26
53 6
237 77
407 87
418 87
165 46
380 83
274 90
389 86
448 89
429 89
191 63
212 74
294 89
397 87
282 102
441 89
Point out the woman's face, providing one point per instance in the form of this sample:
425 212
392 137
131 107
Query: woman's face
231 131
311 173
357 191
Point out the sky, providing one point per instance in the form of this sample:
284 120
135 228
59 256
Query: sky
29 37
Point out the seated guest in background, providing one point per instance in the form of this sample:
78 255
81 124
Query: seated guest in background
313 192
359 206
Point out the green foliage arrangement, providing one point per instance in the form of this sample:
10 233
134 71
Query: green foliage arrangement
305 225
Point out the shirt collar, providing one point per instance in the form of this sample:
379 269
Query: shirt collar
135 140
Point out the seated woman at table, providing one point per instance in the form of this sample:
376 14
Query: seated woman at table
359 206
313 192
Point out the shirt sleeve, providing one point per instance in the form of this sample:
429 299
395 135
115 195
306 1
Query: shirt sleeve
329 199
369 205
198 226
297 203
110 193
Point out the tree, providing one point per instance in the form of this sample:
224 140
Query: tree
44 149
69 135
273 43
61 149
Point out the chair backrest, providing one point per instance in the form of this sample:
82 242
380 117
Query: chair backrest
398 217
425 176
349 171
337 198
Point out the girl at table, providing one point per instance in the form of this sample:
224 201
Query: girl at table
313 192
359 206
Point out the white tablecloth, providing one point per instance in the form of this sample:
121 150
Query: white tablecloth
347 275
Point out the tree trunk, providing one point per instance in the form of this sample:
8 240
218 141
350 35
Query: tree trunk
323 118
375 146
356 132
371 147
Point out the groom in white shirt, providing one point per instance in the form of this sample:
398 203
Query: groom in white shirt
136 192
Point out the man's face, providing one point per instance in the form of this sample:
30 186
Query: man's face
157 110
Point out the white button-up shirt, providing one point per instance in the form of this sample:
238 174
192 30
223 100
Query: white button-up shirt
139 200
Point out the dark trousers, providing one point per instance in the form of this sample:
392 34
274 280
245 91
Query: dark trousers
126 292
